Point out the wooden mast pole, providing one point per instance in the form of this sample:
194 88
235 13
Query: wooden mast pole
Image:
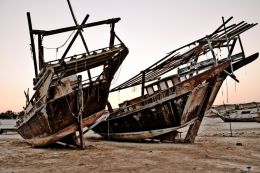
32 44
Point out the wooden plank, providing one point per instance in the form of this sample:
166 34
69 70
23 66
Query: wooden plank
45 140
130 136
74 38
32 44
194 128
71 28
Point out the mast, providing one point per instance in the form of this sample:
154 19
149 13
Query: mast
32 44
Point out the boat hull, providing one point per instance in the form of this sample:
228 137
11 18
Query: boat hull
56 114
170 113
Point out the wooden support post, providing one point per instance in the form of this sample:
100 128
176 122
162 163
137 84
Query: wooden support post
229 54
242 48
112 35
32 44
80 106
41 55
212 51
194 128
143 83
73 39
192 132
232 46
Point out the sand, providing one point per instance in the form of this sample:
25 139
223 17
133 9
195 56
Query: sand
214 151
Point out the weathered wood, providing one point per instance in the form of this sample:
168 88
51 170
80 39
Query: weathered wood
41 55
178 99
212 51
221 26
232 47
112 35
139 135
72 13
37 110
201 46
229 53
73 39
109 107
80 106
57 110
71 28
76 23
143 83
32 44
45 140
194 128
241 46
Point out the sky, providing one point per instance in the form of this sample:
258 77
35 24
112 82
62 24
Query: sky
149 28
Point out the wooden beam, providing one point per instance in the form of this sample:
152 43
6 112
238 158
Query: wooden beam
143 83
40 50
112 35
32 44
71 28
241 46
194 128
73 39
80 106
76 23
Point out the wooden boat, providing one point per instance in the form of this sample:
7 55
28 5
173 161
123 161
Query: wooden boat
7 125
170 102
64 102
247 112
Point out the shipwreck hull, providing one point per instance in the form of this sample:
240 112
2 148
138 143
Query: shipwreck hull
161 117
55 115
168 102
62 112
147 134
168 113
161 113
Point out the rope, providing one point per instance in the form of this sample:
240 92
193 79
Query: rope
119 71
61 45
117 76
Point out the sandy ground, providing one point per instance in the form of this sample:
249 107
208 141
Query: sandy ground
213 151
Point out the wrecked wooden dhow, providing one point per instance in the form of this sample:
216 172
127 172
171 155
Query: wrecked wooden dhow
245 112
170 102
64 102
